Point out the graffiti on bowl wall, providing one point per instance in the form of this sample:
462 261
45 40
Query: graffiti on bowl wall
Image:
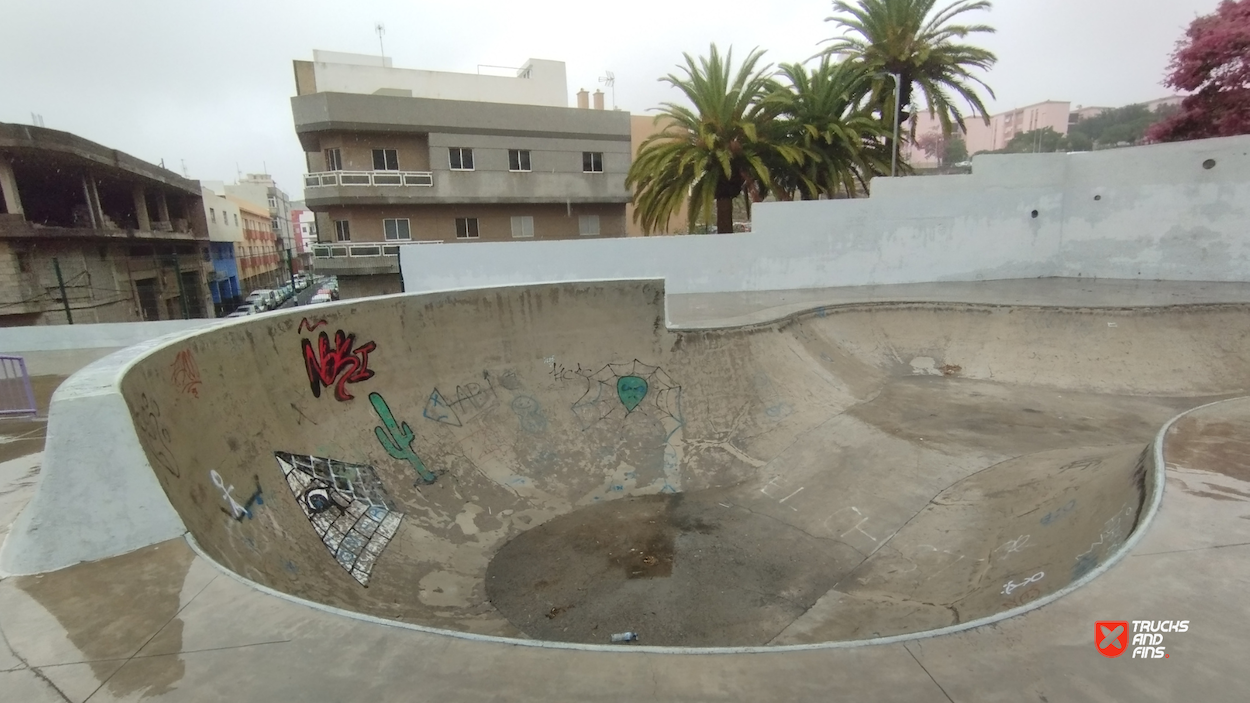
347 505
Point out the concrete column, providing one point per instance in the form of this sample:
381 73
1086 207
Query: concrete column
141 209
162 208
92 210
8 183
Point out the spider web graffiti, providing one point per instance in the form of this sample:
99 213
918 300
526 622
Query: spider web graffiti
347 506
618 390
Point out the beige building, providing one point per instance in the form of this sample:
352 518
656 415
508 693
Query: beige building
641 127
260 261
398 157
90 234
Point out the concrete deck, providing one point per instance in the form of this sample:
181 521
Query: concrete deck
165 623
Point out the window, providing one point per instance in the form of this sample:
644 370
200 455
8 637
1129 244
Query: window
522 226
342 230
466 228
273 203
385 160
588 225
592 162
334 160
212 215
518 159
460 158
396 229
273 224
236 219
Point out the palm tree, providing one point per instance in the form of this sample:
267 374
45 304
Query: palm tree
921 46
712 153
843 143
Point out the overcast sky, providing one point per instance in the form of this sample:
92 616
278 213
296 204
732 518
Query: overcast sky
209 84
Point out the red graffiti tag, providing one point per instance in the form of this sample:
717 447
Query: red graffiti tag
325 364
304 324
185 374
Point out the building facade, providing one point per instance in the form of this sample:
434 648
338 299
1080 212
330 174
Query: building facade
1055 114
398 157
225 234
91 234
302 227
260 260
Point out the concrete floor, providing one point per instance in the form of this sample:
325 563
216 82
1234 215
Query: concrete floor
164 623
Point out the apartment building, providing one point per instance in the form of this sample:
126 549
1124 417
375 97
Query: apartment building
225 235
994 136
1003 126
261 188
403 156
262 262
91 234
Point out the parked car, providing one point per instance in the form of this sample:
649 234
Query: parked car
262 299
319 298
243 311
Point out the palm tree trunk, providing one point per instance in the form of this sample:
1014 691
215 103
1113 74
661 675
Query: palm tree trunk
724 215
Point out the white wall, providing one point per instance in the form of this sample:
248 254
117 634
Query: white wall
1159 215
546 85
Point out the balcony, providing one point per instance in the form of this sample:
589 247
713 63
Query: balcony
338 188
359 259
419 179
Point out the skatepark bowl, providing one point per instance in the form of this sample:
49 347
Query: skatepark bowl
555 464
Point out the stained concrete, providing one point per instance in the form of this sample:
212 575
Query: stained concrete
899 452
239 643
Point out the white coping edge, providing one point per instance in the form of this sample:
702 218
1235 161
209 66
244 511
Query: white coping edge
79 511
1157 479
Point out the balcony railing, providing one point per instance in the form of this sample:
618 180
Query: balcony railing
423 179
347 249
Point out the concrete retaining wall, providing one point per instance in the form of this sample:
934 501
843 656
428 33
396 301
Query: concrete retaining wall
97 494
1155 212
63 349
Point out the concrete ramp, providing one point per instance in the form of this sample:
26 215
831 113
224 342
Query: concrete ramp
554 462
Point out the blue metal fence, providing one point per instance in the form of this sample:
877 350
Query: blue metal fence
16 397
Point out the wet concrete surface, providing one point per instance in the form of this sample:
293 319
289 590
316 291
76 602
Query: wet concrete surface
23 436
868 470
236 643
681 569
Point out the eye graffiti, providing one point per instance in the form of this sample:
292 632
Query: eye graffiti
347 506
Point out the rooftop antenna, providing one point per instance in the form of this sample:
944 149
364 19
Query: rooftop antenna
36 120
184 168
609 80
381 29
238 172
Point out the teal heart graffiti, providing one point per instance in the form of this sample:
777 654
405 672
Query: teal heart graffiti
631 390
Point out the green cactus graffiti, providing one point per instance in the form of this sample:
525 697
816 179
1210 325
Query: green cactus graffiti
397 438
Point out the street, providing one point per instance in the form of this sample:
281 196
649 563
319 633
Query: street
302 297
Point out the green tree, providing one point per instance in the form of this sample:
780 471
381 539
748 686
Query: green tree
839 142
956 150
1122 125
923 47
1036 141
711 152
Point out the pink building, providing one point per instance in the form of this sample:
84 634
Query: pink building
995 135
1055 114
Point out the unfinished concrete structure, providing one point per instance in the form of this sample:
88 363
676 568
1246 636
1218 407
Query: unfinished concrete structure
130 238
